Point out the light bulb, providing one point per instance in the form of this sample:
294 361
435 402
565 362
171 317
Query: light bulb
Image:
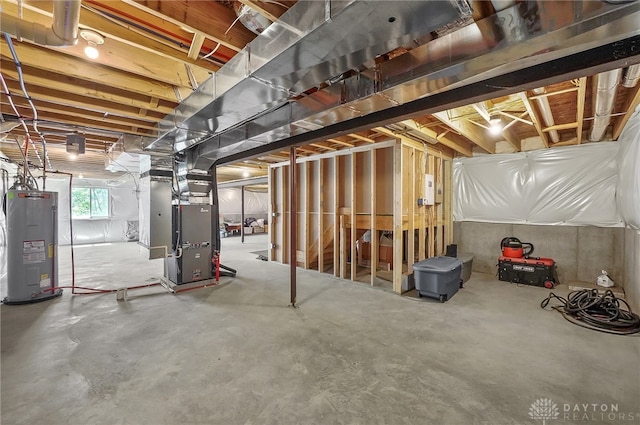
91 51
245 174
73 156
495 129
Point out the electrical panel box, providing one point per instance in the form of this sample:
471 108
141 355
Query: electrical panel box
429 189
191 244
32 242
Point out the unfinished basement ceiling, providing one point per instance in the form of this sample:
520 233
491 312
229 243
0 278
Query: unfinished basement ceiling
156 53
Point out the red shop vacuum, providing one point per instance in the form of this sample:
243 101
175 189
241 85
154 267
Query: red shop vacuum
516 265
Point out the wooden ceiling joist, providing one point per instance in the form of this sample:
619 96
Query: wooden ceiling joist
111 30
458 146
580 100
534 118
54 96
632 102
51 61
210 18
474 134
62 86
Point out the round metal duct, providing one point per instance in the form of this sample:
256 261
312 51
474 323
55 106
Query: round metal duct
250 18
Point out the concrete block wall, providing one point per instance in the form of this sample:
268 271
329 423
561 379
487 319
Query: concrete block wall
631 272
580 252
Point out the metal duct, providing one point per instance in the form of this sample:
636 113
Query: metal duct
631 76
547 115
311 43
470 57
605 85
63 30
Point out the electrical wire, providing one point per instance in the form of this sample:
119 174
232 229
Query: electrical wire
595 311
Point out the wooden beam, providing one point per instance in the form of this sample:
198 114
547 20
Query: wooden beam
271 11
51 61
458 146
581 96
375 239
271 195
337 220
319 146
60 88
397 218
112 30
321 236
340 142
516 118
420 172
42 106
354 210
411 185
211 18
79 121
566 126
363 138
475 135
630 105
567 90
430 149
196 46
307 212
534 118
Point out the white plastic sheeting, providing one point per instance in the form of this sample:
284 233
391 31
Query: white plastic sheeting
123 207
629 172
573 186
256 204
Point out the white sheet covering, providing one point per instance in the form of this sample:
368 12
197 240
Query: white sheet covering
629 172
256 204
573 186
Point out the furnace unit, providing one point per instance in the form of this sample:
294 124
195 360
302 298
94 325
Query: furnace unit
190 245
32 242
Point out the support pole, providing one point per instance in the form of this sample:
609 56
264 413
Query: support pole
293 223
242 214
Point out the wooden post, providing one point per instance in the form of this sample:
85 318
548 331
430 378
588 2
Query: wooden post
420 171
242 214
448 197
354 253
343 249
374 232
270 219
307 215
321 215
397 218
431 210
293 226
411 229
337 220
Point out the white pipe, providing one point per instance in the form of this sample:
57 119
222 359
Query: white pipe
63 30
547 115
631 76
606 84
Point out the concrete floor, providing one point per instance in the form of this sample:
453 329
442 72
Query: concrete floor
350 354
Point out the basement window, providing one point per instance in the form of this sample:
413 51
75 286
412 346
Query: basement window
89 202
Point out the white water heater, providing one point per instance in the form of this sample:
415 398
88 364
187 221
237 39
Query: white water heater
32 243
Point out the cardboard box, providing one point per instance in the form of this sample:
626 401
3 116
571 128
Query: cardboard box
248 230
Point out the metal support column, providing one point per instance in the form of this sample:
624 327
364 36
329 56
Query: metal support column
242 214
293 223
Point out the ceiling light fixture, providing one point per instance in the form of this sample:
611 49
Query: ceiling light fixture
245 174
495 125
73 156
93 41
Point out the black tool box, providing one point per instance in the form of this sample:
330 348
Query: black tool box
534 271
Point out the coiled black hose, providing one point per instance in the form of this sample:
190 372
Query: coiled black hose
599 312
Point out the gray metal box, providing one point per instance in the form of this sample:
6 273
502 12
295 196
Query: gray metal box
192 227
154 215
32 243
438 277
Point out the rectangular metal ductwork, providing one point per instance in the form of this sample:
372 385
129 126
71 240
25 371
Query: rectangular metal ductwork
493 47
313 42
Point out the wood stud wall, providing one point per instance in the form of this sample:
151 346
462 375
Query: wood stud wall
342 194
